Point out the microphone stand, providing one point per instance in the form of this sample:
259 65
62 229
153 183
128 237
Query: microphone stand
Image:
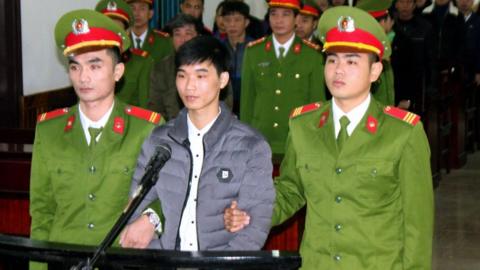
147 182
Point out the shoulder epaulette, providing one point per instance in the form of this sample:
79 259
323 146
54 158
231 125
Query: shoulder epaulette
51 115
255 42
161 33
311 44
139 52
144 114
305 108
403 115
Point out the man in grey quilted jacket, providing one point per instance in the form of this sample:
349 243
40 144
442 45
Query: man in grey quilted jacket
215 160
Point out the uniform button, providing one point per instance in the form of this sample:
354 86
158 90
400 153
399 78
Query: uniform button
126 170
275 125
337 258
374 171
338 170
92 169
338 199
297 76
276 108
279 75
338 227
91 226
91 197
278 92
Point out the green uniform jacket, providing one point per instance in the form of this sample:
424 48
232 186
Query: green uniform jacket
369 206
383 89
158 44
77 193
272 88
133 88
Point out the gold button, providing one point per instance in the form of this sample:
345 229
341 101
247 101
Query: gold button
297 76
278 92
279 75
275 125
92 169
276 108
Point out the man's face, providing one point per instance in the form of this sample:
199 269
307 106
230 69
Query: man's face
183 34
282 20
465 5
199 86
349 75
193 8
93 75
235 24
305 26
405 8
142 13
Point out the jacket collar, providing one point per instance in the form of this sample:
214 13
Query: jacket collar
452 9
179 131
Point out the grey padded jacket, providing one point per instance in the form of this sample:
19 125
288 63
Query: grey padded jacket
236 166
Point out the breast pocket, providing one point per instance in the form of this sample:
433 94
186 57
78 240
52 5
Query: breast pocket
377 182
64 175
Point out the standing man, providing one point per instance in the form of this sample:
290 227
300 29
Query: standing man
307 21
361 168
236 16
164 97
133 87
156 43
215 159
84 156
280 72
471 54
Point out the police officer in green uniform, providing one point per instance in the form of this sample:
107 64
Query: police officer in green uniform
155 42
84 156
133 87
361 168
280 72
383 89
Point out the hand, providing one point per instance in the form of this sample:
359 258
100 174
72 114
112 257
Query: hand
138 234
235 219
404 104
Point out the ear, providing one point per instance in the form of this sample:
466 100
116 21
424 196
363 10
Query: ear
224 77
375 71
150 14
247 22
118 71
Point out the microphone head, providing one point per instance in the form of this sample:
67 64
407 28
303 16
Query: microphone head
164 149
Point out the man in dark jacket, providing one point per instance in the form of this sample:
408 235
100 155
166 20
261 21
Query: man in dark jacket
215 160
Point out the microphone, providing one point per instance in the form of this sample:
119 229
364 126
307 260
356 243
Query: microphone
161 155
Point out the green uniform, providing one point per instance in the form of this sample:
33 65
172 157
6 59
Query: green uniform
272 88
77 193
158 44
369 206
134 87
383 88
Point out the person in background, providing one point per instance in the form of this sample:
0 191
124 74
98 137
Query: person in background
155 43
362 169
195 8
280 72
215 159
219 26
236 16
163 91
84 156
471 54
307 21
132 88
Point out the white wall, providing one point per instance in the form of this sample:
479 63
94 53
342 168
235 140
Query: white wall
42 62
258 8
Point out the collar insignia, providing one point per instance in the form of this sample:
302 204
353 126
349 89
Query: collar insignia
346 24
372 124
80 27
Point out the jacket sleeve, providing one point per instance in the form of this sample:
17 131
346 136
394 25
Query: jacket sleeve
417 199
247 93
42 202
317 79
289 190
256 197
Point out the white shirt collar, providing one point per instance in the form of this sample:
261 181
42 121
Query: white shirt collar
194 131
142 38
286 45
355 115
86 122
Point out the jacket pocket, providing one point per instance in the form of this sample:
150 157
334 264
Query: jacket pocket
376 180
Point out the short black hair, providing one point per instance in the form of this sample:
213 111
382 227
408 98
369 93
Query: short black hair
182 20
112 51
183 1
231 7
201 49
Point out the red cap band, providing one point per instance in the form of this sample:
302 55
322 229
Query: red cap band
356 39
